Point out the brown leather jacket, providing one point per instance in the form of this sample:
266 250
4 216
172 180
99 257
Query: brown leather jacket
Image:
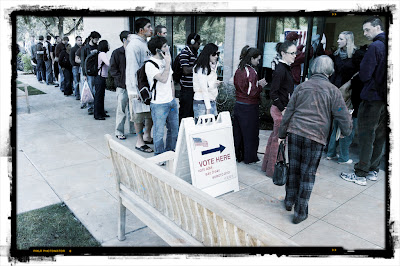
311 109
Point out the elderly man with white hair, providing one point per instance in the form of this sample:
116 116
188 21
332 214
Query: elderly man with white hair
306 123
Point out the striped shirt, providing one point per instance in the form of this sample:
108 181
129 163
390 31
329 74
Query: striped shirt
187 58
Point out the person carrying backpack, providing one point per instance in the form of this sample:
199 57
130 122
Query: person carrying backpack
90 48
163 106
61 46
184 64
137 53
47 61
40 68
66 68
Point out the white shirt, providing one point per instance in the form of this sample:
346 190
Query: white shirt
205 86
163 90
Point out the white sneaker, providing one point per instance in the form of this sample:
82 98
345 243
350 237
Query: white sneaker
372 175
352 177
349 161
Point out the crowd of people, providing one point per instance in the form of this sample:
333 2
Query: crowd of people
307 115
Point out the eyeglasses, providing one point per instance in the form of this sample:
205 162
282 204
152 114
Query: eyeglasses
215 54
292 53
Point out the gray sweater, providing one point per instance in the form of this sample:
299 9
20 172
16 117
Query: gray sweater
310 110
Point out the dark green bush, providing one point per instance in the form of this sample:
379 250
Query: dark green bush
26 61
226 102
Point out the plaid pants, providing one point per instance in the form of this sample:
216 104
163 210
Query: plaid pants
304 157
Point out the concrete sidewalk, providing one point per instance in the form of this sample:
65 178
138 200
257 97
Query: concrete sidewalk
62 157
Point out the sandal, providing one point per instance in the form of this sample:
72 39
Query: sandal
121 137
144 148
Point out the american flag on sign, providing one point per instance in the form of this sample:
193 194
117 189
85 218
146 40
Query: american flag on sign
200 142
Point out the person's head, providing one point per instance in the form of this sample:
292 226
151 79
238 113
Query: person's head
143 27
161 30
103 46
372 27
193 41
208 55
78 40
58 39
48 38
123 36
94 37
157 42
68 48
32 38
41 38
293 36
346 43
322 65
249 56
287 50
65 40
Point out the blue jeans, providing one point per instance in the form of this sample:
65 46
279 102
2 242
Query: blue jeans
62 83
40 70
90 80
344 143
49 72
76 77
165 114
199 108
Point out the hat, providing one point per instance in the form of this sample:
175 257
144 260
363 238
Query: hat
41 38
293 36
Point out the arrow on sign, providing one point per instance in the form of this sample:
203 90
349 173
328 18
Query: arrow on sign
220 148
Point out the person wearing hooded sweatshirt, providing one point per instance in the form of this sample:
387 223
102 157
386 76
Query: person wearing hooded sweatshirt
137 53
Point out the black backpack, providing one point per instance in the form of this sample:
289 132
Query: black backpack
91 64
177 69
145 93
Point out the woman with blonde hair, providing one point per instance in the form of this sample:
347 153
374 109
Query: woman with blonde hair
345 69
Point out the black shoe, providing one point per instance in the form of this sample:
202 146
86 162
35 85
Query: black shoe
56 85
90 113
297 220
100 118
288 208
106 115
105 111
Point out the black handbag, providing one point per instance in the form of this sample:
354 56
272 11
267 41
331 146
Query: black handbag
281 168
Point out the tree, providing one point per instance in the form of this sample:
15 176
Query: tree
53 26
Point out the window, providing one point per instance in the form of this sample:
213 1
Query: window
212 30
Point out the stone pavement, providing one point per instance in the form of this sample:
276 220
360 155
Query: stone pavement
62 156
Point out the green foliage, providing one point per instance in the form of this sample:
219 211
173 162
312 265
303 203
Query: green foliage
226 101
26 60
52 226
110 85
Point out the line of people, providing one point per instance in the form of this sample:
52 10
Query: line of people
302 112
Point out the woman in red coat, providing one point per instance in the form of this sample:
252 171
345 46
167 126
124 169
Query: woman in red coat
246 112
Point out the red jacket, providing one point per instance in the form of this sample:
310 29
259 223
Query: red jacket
246 84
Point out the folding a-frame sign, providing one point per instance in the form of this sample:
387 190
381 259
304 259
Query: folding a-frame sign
206 154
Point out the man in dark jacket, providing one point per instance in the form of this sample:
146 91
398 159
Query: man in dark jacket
60 47
40 74
75 66
372 113
117 71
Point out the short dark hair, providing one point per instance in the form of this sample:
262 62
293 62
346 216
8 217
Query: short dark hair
124 35
375 21
103 46
94 35
76 38
158 28
193 36
41 38
65 38
48 37
140 23
156 42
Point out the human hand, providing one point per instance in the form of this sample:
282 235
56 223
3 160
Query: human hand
283 112
280 140
262 82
